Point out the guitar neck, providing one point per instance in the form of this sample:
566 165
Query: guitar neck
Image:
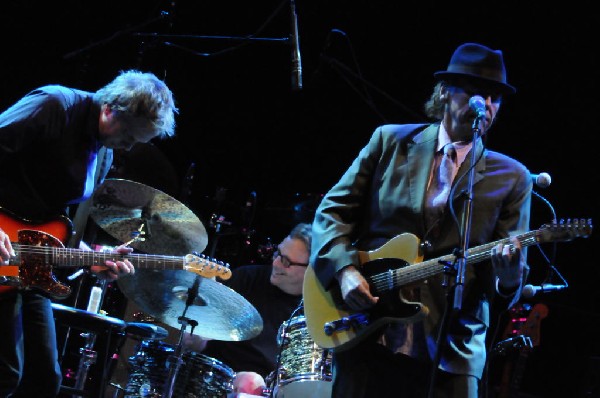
426 269
77 258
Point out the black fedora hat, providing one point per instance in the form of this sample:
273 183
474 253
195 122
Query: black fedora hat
479 63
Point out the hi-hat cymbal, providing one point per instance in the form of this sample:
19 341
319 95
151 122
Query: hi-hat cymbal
82 319
127 209
219 311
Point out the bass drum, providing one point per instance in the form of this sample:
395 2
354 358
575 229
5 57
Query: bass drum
304 368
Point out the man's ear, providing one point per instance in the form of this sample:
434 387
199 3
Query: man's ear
443 93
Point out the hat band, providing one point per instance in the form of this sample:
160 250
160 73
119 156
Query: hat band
486 73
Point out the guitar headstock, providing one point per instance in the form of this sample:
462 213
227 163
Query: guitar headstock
206 267
565 230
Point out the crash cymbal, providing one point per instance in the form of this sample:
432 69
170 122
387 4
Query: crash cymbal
220 312
128 209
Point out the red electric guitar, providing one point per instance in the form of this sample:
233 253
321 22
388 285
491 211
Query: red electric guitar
39 247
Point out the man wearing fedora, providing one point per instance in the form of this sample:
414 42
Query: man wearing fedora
393 188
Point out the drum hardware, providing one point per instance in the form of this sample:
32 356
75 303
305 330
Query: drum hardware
164 370
95 323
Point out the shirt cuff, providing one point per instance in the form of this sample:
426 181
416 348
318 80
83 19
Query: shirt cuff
505 293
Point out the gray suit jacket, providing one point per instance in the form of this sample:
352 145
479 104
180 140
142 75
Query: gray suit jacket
382 195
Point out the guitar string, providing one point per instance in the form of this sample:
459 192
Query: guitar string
423 270
66 255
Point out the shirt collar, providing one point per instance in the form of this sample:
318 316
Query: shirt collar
462 148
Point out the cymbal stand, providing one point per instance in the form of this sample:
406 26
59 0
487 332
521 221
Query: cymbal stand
174 361
88 355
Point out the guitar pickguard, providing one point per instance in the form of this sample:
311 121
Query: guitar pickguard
35 269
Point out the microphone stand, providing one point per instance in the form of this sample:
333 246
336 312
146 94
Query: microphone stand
466 221
175 360
461 260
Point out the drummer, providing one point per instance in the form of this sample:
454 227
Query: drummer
275 291
52 143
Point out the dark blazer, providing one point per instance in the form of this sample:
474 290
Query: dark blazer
382 195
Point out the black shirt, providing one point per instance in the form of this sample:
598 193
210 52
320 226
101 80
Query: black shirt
48 148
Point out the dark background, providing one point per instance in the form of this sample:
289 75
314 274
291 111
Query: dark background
261 153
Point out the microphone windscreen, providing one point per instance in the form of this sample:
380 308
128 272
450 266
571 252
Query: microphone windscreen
528 291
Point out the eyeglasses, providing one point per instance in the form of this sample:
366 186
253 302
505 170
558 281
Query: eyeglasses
286 261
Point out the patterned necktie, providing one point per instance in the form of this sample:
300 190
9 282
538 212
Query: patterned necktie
437 194
445 176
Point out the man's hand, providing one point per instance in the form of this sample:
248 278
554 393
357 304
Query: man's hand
355 289
112 270
6 249
508 264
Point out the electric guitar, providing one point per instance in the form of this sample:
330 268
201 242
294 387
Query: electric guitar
39 247
388 269
530 328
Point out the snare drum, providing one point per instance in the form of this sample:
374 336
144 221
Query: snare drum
304 368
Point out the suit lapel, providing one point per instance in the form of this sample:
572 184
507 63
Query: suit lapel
420 157
462 177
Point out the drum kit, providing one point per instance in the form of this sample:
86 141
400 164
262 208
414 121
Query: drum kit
153 222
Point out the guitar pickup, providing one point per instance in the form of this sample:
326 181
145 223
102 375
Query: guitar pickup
345 323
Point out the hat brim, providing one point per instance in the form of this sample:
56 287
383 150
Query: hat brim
504 88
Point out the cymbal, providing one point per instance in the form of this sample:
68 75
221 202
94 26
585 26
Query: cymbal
220 312
128 209
82 319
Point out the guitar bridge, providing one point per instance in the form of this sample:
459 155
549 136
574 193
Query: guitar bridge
345 323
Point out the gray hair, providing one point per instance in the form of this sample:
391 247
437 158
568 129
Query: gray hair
303 232
434 107
140 98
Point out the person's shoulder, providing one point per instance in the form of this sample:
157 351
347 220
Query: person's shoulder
498 160
59 93
507 160
400 131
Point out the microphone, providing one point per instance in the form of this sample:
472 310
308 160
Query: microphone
477 105
542 180
530 290
296 59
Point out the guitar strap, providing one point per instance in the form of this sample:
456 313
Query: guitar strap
103 162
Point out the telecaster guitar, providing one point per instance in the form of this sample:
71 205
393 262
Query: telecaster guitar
38 252
388 269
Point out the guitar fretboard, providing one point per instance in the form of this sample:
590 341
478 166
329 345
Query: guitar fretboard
66 257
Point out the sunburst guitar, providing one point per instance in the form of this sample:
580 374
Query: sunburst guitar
39 248
390 268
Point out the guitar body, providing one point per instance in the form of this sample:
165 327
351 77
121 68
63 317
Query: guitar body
34 270
322 307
